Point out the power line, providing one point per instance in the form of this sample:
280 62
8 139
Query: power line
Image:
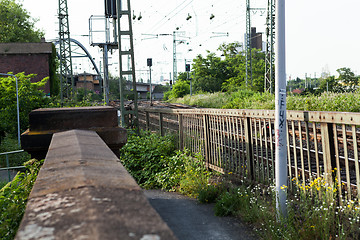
168 17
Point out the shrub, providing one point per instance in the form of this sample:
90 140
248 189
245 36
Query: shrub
13 199
210 193
144 156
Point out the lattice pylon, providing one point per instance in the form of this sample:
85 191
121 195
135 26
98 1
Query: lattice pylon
270 43
66 71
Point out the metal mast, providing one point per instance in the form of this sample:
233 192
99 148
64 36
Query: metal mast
270 42
66 71
248 39
248 44
128 33
174 59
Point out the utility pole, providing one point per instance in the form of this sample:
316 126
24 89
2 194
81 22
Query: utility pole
270 42
125 12
174 59
248 42
281 174
66 71
175 40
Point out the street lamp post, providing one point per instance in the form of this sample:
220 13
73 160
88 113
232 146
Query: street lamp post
17 103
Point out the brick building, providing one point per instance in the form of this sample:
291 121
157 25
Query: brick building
88 81
28 58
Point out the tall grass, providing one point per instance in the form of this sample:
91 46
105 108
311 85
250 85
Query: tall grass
207 100
246 99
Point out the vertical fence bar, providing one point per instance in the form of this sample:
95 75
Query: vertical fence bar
289 155
356 158
272 151
8 166
249 155
256 145
338 172
301 153
214 146
161 124
211 140
307 134
228 144
181 132
266 149
327 140
316 150
222 141
206 139
261 162
348 183
243 146
294 149
147 121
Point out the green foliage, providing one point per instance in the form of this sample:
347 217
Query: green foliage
83 95
194 176
228 204
247 99
180 89
208 100
210 73
16 25
8 144
30 98
348 78
54 78
144 156
153 162
210 193
13 199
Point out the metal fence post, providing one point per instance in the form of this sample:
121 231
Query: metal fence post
161 124
206 139
8 166
328 147
147 121
249 150
181 132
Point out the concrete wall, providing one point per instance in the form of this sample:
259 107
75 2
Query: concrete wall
83 192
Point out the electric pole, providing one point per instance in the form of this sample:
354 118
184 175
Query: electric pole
248 42
270 41
281 174
66 71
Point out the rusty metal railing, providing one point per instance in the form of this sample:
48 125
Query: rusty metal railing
243 142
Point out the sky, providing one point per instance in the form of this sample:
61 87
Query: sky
321 35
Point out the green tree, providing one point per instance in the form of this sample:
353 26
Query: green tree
30 98
16 24
348 78
235 62
180 89
210 72
329 84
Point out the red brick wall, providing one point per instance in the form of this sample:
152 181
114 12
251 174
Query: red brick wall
28 63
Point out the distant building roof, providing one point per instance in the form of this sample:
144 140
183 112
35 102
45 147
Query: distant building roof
298 91
25 48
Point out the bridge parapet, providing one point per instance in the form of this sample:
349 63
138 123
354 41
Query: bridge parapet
83 192
47 121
